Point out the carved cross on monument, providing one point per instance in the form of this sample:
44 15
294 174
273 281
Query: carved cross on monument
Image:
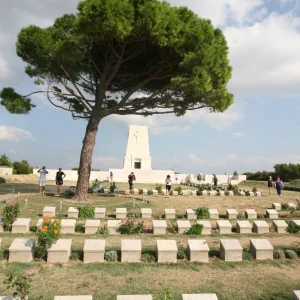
136 136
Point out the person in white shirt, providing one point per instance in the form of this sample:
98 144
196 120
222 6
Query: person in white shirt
168 185
43 173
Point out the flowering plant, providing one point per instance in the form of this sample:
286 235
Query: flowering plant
131 227
48 234
9 215
21 283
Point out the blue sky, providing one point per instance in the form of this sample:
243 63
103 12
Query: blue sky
260 129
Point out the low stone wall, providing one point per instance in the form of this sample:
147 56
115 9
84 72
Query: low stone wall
6 171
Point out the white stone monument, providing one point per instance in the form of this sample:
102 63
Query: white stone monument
137 152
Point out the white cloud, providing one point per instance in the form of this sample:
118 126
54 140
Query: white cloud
194 157
12 152
13 134
239 134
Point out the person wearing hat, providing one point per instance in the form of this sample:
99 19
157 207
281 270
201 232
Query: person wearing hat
270 184
42 183
60 175
131 179
168 185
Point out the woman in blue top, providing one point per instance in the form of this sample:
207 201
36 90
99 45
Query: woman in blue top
279 186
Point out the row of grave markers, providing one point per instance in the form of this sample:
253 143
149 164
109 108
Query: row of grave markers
22 250
22 225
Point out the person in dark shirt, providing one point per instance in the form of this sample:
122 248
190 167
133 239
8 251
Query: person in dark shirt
270 184
279 186
131 179
60 175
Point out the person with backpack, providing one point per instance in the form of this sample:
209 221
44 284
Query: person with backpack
279 186
131 179
270 184
168 185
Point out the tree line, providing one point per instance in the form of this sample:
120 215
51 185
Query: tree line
287 172
19 167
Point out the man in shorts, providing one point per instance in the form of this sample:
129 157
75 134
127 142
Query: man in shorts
43 173
60 175
131 179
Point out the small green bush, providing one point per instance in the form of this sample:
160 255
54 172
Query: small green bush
112 187
140 192
260 216
240 216
158 187
111 255
172 228
148 257
74 255
130 227
10 214
134 215
290 254
247 255
86 212
279 254
284 206
293 227
182 253
2 180
167 295
196 229
178 189
202 213
150 192
103 230
254 190
79 228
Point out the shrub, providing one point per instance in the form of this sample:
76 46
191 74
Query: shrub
284 206
2 180
48 234
293 227
129 227
240 216
74 255
182 253
112 187
196 229
103 230
79 228
235 173
167 295
290 254
202 213
279 254
148 257
111 255
178 189
140 192
70 192
158 187
254 190
86 212
10 214
150 192
22 167
260 216
172 228
134 215
247 255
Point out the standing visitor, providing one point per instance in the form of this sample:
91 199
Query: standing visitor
131 179
168 185
176 178
60 175
43 173
270 184
279 186
111 176
215 180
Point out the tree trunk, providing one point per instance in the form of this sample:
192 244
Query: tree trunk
86 159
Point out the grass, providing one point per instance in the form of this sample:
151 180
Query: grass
249 279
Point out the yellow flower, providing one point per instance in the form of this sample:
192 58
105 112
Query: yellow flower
54 225
55 231
42 229
45 227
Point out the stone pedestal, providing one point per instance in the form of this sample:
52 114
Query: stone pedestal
250 214
214 213
73 298
60 251
170 213
221 193
6 298
174 193
296 295
261 227
231 250
155 192
21 250
230 193
73 213
106 191
93 251
145 192
134 297
297 222
243 227
231 213
198 250
146 213
224 226
100 212
292 205
183 226
194 193
276 206
49 211
68 226
281 226
21 225
159 226
251 194
204 193
242 193
191 214
113 225
166 251
261 249
131 250
199 297
121 213
184 193
258 194
206 230
127 192
272 213
91 226
213 193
